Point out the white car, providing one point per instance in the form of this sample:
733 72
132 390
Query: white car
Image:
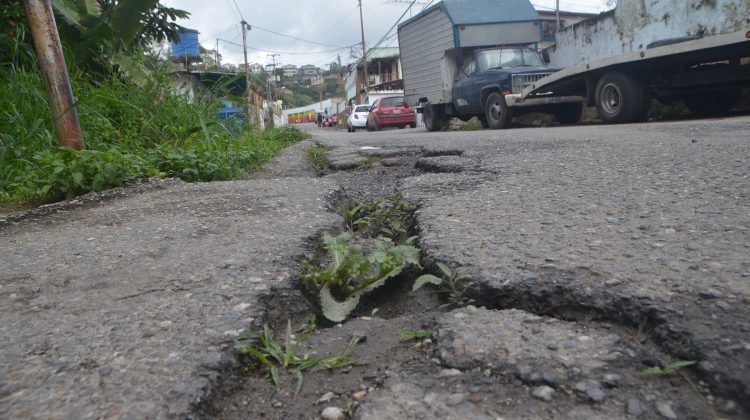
358 118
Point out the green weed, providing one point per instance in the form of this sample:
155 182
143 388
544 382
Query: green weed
366 162
454 285
666 370
390 217
417 334
318 158
290 354
349 271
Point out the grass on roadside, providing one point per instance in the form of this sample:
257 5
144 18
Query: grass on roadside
317 156
129 131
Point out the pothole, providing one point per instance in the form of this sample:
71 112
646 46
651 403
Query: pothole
383 327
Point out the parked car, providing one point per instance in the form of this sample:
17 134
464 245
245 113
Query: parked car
358 118
390 112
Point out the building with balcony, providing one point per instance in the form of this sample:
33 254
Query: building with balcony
290 70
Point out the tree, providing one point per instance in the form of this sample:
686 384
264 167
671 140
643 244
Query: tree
96 31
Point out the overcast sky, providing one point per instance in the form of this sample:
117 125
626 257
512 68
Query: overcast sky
331 25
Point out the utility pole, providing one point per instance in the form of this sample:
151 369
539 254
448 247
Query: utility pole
273 57
366 84
557 15
56 79
217 55
248 91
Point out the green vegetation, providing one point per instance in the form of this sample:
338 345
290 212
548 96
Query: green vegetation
471 126
348 272
389 217
666 370
318 158
289 354
454 285
134 122
417 334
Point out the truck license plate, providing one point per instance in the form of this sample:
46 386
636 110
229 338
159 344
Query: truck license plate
396 111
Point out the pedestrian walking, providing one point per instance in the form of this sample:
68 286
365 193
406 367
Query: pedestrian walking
320 119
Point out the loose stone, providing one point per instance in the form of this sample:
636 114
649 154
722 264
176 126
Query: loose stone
455 399
543 393
595 394
328 396
359 395
634 407
612 380
332 413
709 294
665 410
550 378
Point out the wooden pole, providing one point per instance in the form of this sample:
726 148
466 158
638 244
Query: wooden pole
56 79
366 84
247 70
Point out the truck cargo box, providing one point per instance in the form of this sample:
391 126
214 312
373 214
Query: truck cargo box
424 39
634 25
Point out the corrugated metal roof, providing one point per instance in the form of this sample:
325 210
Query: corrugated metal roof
467 12
472 12
385 52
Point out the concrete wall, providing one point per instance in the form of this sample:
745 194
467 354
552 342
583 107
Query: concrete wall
633 24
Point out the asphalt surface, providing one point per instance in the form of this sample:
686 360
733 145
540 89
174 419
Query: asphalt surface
125 305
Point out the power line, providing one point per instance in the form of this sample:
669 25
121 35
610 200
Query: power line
238 9
331 27
294 37
233 10
287 52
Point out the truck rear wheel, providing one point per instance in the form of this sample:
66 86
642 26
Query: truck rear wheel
568 113
434 118
712 103
620 98
496 112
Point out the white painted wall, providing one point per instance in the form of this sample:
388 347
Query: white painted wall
633 24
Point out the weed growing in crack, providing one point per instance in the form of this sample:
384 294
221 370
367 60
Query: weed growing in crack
416 334
318 158
349 272
389 217
666 370
454 285
366 163
289 354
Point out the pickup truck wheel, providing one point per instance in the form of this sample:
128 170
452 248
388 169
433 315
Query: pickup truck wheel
619 98
712 103
496 112
434 120
568 113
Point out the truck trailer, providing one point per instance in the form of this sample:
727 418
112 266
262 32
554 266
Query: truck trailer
696 51
467 58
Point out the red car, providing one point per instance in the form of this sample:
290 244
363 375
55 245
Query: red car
390 112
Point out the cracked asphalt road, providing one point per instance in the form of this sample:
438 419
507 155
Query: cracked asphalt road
126 305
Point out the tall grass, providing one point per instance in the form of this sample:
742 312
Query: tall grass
130 130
